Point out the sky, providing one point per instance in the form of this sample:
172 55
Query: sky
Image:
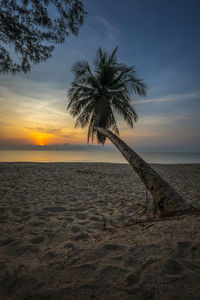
160 38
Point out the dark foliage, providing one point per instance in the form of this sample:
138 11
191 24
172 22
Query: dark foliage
33 27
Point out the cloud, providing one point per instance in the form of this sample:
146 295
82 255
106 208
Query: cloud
163 120
169 98
44 130
110 31
59 132
31 90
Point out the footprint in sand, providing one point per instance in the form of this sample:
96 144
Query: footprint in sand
69 246
50 255
75 229
87 267
96 219
36 223
130 261
8 241
172 267
81 216
112 248
182 248
195 250
131 279
16 250
81 236
55 209
114 274
37 240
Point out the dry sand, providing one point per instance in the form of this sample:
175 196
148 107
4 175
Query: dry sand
67 232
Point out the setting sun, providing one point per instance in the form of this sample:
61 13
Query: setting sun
40 138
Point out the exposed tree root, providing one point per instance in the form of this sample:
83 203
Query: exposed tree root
150 220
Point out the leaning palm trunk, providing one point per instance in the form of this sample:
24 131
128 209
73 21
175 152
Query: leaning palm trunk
166 199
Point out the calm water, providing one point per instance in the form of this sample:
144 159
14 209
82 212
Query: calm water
95 156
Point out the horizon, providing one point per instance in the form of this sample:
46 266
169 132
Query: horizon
90 147
159 39
93 153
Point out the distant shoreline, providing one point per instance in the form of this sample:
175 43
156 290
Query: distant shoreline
106 156
93 163
104 149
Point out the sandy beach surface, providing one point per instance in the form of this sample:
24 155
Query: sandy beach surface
79 231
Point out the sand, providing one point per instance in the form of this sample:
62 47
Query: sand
69 231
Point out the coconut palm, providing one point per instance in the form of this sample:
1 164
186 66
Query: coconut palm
96 97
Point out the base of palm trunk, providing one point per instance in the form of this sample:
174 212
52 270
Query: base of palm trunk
166 200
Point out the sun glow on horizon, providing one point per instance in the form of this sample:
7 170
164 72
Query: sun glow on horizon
41 138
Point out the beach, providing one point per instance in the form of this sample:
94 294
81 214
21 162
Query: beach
80 231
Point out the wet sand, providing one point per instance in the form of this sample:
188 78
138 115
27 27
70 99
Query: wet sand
69 231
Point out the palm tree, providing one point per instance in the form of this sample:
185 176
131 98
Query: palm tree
96 96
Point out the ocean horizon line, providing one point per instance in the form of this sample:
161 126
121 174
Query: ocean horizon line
95 156
95 148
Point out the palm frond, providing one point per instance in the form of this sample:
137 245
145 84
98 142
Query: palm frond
113 57
84 116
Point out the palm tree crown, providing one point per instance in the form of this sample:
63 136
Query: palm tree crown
97 95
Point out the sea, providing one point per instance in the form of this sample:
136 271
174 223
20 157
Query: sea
106 156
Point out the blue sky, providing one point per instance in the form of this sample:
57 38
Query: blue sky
160 38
